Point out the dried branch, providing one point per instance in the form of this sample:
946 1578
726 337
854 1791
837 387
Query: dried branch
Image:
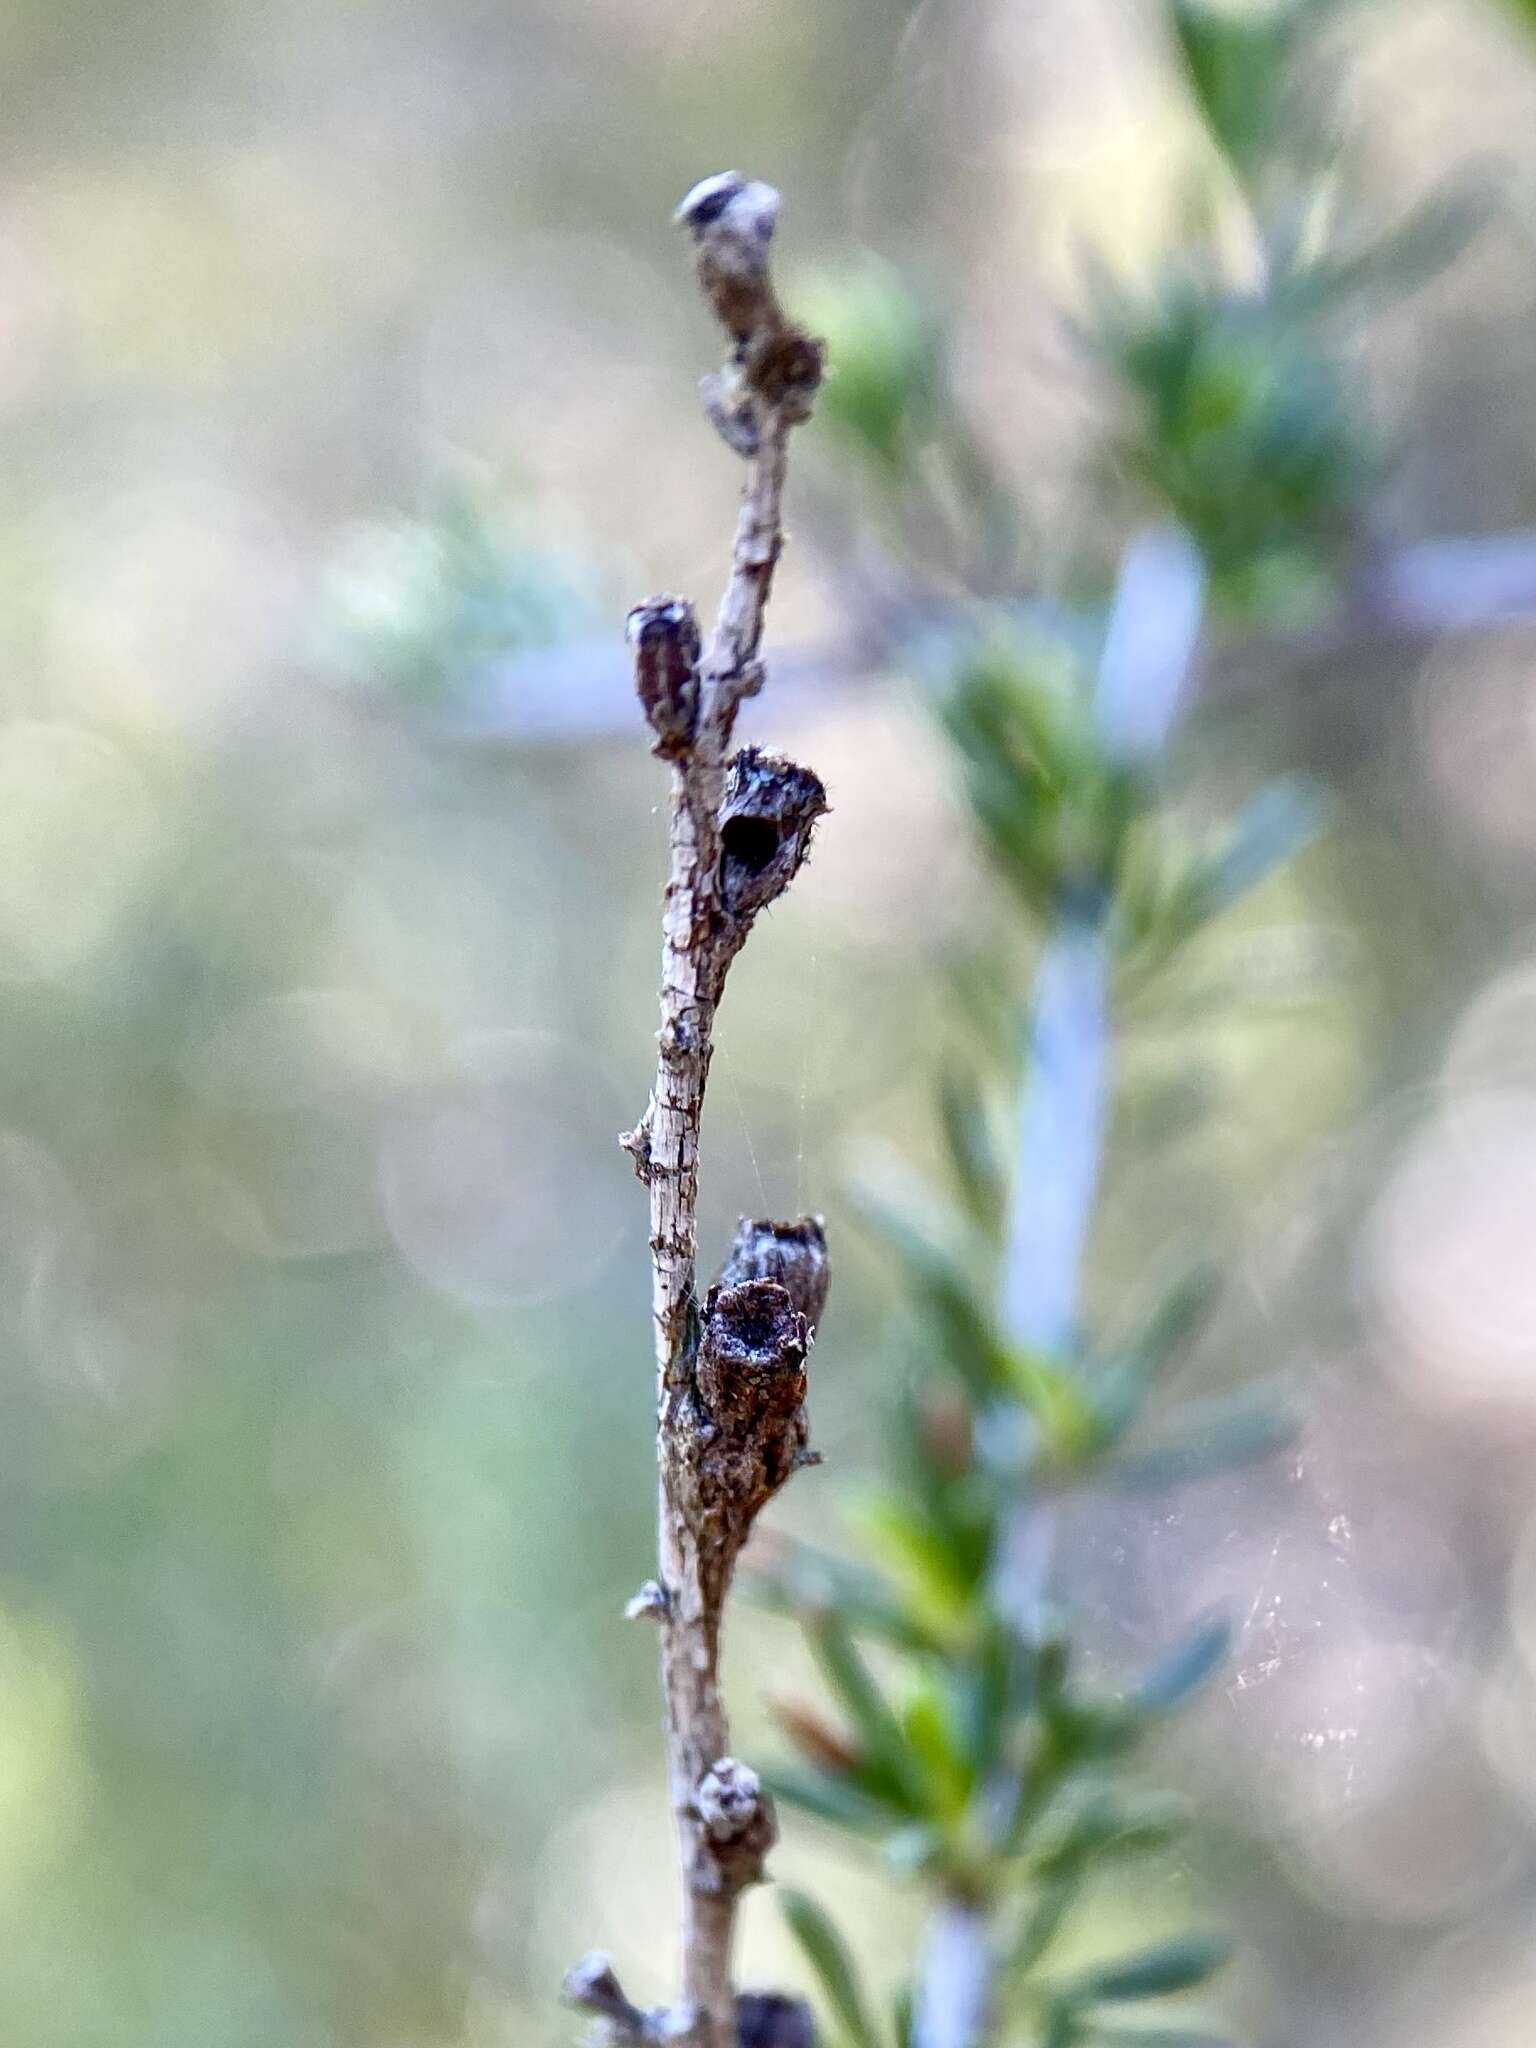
731 1424
592 1985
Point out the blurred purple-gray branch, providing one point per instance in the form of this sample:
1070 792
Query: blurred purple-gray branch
1415 594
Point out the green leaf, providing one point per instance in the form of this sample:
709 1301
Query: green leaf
938 1576
830 1799
825 1952
1185 1670
989 1690
889 1771
1235 62
901 2017
1119 1387
1107 1829
895 1204
981 994
929 1737
983 494
1214 1436
1062 2028
1088 1731
1181 1304
1426 241
980 1170
1270 831
1156 1973
1052 1901
803 1580
1060 1403
885 352
1051 806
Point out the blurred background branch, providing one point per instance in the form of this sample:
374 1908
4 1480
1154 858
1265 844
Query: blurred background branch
1405 602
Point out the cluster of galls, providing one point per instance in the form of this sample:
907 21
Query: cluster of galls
770 805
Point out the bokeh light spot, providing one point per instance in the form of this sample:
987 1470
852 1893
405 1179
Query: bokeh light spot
78 828
503 1182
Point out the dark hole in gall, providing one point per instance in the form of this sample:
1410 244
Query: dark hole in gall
757 1330
749 843
709 210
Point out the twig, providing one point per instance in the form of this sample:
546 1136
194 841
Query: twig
1143 675
593 1985
731 1377
954 1989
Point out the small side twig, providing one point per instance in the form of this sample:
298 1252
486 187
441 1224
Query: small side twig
593 1985
731 1422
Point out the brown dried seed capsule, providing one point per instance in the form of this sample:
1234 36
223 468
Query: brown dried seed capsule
751 1365
768 2019
770 810
793 1254
664 634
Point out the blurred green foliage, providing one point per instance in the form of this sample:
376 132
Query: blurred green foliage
984 1764
424 607
1242 416
975 1756
889 399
